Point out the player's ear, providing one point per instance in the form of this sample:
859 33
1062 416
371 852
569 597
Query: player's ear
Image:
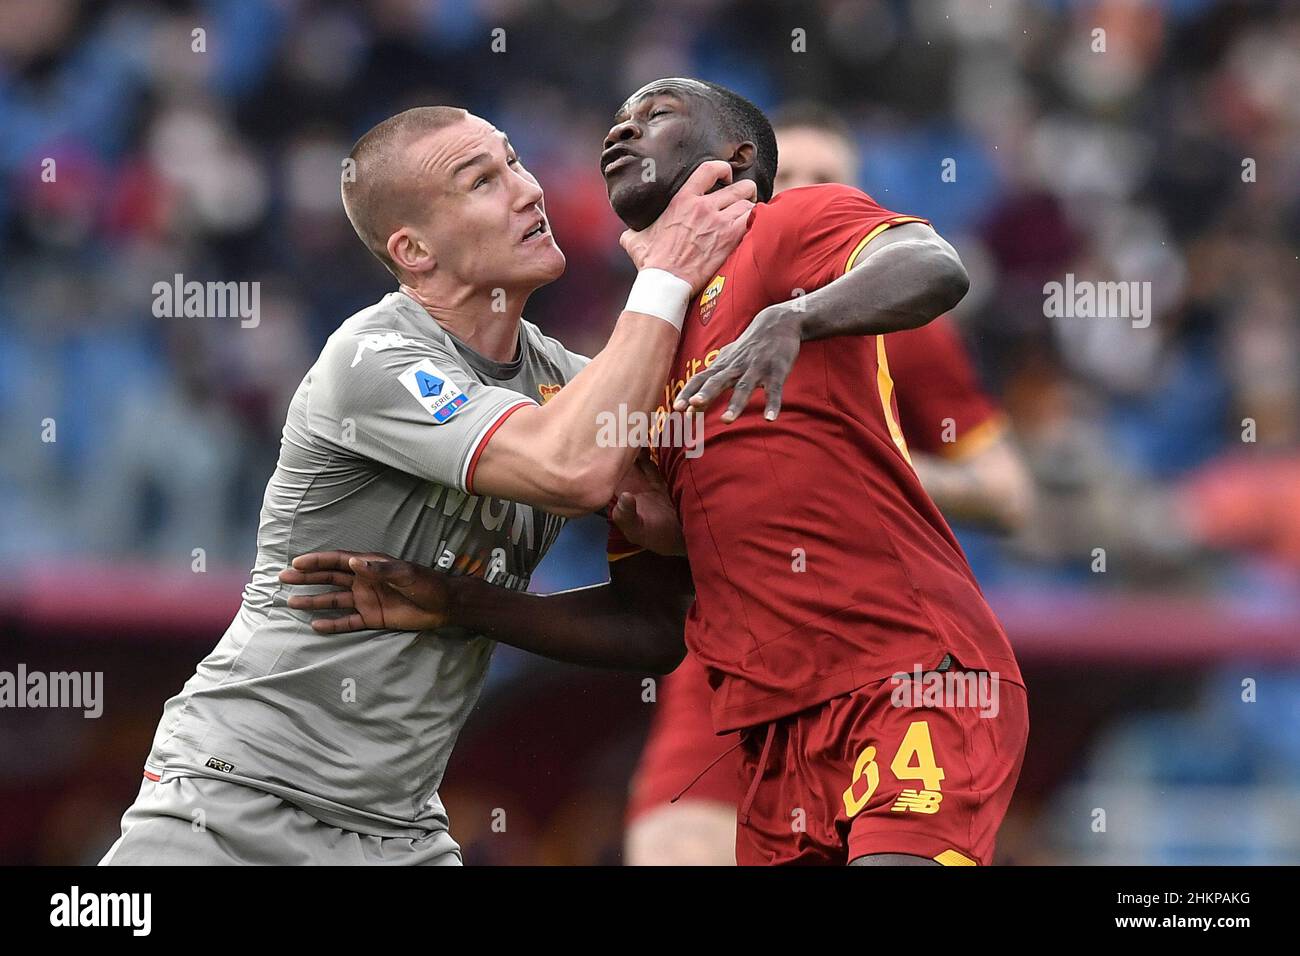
410 251
742 159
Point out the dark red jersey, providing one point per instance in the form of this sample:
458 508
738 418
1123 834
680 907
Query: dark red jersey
820 564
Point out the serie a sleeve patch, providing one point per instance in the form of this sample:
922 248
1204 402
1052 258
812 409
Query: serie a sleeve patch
434 389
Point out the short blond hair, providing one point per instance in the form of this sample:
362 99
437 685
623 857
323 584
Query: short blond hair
376 189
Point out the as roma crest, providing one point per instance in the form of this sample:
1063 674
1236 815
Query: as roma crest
548 392
709 298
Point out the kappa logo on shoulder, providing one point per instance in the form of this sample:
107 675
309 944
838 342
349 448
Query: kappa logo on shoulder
377 342
709 298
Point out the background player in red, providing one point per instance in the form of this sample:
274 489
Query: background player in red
961 448
821 568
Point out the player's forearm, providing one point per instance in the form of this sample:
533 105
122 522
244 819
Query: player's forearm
627 376
957 491
991 489
903 285
589 626
567 455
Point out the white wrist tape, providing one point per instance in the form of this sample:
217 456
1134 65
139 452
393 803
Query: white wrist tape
661 294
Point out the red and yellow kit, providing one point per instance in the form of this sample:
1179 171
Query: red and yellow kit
820 563
822 567
979 757
862 774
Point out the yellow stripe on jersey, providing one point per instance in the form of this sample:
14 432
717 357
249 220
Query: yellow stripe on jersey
884 381
853 256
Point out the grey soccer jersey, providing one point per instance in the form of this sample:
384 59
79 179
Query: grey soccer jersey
377 454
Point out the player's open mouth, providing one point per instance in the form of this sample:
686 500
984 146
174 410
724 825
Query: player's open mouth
615 158
536 232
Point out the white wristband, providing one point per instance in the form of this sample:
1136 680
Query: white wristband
661 294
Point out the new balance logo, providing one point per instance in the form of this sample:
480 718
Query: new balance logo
918 801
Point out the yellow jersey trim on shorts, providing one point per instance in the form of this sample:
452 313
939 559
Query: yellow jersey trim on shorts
953 858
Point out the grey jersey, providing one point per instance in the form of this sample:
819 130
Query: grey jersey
377 455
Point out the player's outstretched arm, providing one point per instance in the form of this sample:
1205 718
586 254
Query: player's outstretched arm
548 455
902 279
635 622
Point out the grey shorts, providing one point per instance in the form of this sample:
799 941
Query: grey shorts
198 821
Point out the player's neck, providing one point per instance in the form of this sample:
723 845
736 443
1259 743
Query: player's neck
487 321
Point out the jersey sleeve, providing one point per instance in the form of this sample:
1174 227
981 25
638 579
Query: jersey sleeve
942 408
408 404
808 237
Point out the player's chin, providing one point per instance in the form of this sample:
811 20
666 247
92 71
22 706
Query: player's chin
635 202
545 263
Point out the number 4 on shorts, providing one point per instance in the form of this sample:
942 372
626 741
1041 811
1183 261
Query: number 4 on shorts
914 760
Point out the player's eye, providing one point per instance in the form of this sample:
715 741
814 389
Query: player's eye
661 111
513 161
481 181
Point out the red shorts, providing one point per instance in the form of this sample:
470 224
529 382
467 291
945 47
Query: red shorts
877 771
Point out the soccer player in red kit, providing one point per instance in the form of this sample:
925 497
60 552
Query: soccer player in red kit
687 784
821 568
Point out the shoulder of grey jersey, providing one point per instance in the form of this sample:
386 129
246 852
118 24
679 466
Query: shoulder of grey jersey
389 386
390 323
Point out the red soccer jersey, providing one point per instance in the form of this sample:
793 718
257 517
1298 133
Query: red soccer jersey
820 564
941 406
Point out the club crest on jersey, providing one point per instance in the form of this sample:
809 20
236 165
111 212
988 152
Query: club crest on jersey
709 298
548 392
432 388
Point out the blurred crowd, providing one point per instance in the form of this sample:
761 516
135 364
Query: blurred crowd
1150 141
1156 142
